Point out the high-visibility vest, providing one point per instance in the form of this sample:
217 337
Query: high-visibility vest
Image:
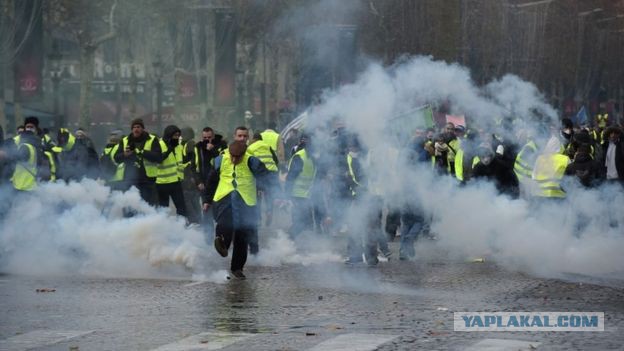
168 168
52 165
522 168
181 152
568 150
262 150
602 119
271 137
25 175
352 173
459 164
236 178
151 168
110 152
548 172
305 179
71 141
371 186
119 172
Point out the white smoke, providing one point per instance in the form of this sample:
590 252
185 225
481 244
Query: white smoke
80 228
581 235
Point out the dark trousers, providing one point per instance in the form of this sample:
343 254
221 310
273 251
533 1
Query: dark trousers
147 190
301 216
393 221
174 192
192 205
148 193
366 234
233 235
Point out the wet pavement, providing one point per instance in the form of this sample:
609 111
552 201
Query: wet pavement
397 305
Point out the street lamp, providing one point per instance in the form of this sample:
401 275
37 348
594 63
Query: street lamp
240 87
158 75
56 75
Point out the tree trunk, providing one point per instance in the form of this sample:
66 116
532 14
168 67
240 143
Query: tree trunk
87 56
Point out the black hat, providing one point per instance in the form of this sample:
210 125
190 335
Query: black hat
138 121
32 120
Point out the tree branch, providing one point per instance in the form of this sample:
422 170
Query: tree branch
112 32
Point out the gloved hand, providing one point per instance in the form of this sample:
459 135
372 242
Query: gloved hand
500 149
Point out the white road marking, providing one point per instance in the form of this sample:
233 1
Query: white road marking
503 345
40 338
195 283
354 342
205 341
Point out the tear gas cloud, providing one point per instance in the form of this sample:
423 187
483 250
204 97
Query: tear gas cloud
81 228
580 235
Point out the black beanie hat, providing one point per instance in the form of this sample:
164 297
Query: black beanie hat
138 121
32 120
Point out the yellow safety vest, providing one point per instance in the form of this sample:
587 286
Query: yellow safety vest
352 173
181 152
151 168
454 146
25 175
119 172
522 168
549 170
305 179
271 137
50 157
262 150
236 178
602 120
459 164
168 168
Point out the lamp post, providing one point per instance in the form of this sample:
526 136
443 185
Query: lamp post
240 89
56 75
158 75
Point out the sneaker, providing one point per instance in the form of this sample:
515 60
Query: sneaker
220 246
239 274
351 260
387 254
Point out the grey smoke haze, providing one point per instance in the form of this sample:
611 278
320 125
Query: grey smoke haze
571 237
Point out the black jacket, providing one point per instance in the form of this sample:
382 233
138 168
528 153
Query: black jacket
500 173
619 159
134 172
202 164
584 168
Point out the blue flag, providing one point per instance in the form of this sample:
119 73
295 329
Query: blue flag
581 117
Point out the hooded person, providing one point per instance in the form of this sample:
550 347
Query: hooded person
302 170
232 192
108 167
583 166
22 157
140 153
549 170
171 171
191 195
77 157
493 167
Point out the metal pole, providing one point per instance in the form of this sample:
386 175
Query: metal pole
159 88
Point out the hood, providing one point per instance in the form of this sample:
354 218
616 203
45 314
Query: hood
582 158
170 131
